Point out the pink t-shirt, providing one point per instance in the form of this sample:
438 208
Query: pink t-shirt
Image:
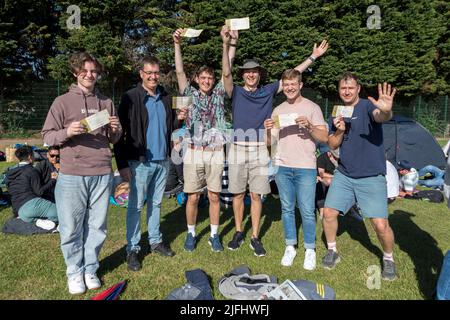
295 146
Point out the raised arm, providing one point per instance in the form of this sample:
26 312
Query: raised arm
234 34
318 51
384 103
227 77
181 75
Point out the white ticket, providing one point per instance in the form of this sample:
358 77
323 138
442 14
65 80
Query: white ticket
96 120
344 111
238 24
191 33
285 291
181 102
285 120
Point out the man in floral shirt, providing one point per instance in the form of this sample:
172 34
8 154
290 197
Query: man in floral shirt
204 157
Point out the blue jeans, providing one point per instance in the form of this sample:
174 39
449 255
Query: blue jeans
82 205
38 208
148 181
438 179
298 185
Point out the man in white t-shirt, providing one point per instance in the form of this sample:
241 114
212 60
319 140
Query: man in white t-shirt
296 125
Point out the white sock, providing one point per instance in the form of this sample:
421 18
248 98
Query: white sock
214 228
290 247
191 229
332 246
388 256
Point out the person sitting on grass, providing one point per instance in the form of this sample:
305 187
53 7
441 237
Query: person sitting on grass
48 170
26 190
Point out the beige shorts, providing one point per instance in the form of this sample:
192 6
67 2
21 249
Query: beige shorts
248 165
202 168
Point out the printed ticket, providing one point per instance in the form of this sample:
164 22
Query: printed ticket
285 120
238 24
191 33
285 291
96 121
181 102
344 111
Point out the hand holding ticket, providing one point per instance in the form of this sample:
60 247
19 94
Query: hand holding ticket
181 102
342 111
238 24
96 121
191 33
285 120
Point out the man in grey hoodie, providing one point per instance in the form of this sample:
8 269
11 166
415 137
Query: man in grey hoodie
82 189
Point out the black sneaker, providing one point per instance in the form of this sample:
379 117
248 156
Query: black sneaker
330 260
237 240
163 250
133 261
257 246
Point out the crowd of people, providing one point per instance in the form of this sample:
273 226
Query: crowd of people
74 192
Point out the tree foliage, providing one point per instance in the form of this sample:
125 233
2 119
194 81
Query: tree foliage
410 50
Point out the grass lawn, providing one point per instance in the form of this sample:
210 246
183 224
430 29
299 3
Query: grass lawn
33 267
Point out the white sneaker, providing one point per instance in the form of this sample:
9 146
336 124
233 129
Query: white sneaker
310 259
76 284
289 255
45 224
92 281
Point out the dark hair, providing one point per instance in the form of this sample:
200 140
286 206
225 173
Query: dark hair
23 152
206 69
348 76
53 148
148 60
77 60
291 74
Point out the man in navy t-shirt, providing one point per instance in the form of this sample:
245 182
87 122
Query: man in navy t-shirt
361 171
248 158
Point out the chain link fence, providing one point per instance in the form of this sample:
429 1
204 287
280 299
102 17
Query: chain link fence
27 111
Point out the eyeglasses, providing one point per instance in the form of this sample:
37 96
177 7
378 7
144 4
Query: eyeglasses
53 155
149 73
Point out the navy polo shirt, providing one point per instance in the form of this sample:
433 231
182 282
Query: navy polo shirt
362 151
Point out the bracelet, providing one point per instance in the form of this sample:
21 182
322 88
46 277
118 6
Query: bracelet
312 58
232 45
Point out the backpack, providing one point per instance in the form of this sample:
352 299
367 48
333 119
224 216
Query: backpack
238 284
434 196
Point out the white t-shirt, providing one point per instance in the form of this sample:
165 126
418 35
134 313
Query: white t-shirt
392 180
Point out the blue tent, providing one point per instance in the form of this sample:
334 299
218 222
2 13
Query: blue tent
409 144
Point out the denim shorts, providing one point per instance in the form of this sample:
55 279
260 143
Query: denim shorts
370 193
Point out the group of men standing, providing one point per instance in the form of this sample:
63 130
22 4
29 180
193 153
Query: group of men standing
141 132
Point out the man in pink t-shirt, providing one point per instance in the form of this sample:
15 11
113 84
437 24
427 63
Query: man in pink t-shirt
293 130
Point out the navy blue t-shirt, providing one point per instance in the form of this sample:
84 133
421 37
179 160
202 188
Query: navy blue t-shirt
362 151
250 109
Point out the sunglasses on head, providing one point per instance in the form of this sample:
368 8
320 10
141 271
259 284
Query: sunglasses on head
54 155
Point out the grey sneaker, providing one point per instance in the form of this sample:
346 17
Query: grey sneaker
330 260
389 271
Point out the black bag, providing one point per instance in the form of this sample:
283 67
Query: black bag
434 196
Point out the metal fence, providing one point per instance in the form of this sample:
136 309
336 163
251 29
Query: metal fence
29 109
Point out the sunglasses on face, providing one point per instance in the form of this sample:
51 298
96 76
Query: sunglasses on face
54 155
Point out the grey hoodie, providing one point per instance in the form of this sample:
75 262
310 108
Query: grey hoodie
86 154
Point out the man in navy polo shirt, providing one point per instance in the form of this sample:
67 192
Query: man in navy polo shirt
248 157
362 168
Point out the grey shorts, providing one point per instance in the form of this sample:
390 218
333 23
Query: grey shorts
248 165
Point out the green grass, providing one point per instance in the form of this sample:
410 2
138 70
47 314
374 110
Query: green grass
33 267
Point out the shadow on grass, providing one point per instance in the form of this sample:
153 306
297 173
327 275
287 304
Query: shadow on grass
422 249
357 231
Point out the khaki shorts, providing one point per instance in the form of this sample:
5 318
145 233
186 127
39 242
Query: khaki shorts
202 168
248 165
